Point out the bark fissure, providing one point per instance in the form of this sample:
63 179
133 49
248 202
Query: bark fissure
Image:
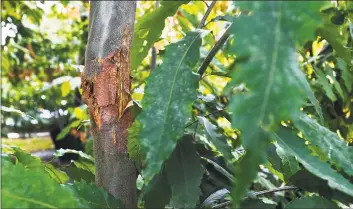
106 85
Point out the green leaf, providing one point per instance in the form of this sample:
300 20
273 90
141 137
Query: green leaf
184 173
169 93
311 202
92 196
157 194
347 74
62 152
333 35
67 129
289 164
325 84
272 75
85 165
79 174
23 188
149 29
338 152
133 144
318 185
34 163
26 159
219 140
295 146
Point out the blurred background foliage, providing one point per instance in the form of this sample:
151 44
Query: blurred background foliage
43 46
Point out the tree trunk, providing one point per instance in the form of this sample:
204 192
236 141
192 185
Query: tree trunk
106 90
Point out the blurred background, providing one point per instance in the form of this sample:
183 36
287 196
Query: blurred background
43 47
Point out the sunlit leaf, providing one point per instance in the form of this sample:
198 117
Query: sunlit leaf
271 75
149 29
295 146
338 152
65 88
25 188
166 108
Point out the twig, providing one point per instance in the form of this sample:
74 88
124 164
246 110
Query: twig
195 121
258 194
205 3
154 51
275 190
208 11
214 51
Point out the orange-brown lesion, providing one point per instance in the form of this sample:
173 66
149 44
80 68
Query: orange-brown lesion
108 93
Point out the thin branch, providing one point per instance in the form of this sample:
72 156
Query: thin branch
275 190
258 194
153 58
214 51
154 51
208 11
195 121
205 3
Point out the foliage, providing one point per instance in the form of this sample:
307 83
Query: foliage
252 108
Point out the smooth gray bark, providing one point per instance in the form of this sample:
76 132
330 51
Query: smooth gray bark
106 90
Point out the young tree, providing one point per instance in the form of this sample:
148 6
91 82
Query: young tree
106 90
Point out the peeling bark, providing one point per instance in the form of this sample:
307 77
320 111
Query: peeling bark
106 90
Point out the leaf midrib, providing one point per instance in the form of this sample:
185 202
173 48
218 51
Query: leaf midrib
172 89
273 65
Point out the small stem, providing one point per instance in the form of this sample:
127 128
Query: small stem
275 190
153 58
214 51
195 121
154 51
258 194
208 11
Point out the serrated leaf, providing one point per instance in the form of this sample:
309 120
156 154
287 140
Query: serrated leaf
333 35
65 88
85 165
184 174
91 196
289 164
292 144
58 175
311 202
338 152
34 163
169 93
149 29
23 188
62 152
307 181
78 174
219 140
271 75
133 144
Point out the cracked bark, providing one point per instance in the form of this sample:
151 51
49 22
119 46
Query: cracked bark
106 90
